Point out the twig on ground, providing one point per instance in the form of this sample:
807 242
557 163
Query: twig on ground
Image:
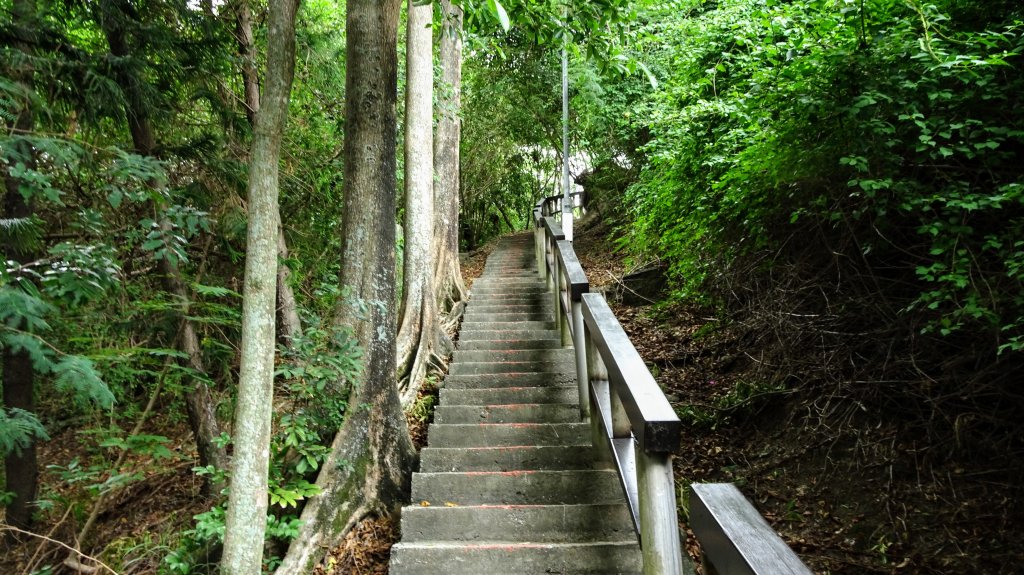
6 527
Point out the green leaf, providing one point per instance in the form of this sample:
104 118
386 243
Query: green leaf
214 291
31 345
18 430
115 198
499 12
650 75
77 374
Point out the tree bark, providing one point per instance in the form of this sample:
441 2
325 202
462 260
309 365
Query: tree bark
371 456
289 324
247 54
247 501
451 290
199 404
287 307
21 469
419 331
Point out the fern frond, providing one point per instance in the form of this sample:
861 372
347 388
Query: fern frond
21 342
21 234
77 375
18 430
21 310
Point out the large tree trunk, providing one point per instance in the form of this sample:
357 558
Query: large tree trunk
199 403
289 324
372 455
419 331
451 290
20 468
247 500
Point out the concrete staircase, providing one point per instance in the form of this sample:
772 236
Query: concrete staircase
510 482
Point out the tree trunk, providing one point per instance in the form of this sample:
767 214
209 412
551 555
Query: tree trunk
287 307
290 325
21 469
199 404
247 54
419 331
247 501
451 290
372 455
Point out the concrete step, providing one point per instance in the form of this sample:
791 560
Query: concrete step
509 413
544 305
509 271
471 326
577 486
477 381
507 434
508 285
561 354
488 367
505 341
453 558
537 523
521 277
487 317
514 458
538 291
505 288
499 396
502 305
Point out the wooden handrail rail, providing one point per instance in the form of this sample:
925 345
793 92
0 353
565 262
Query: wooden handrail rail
734 537
639 430
651 418
641 448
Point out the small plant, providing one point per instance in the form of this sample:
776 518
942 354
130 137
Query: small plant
881 547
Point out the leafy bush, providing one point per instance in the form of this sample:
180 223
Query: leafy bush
891 125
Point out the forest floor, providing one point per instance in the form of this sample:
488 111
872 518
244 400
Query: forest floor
852 494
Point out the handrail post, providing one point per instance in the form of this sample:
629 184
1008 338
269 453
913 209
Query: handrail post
564 315
597 379
549 257
659 525
556 293
579 343
538 242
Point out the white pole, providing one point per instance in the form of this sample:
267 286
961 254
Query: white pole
566 199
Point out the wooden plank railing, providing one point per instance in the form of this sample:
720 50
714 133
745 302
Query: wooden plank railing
734 536
632 419
629 414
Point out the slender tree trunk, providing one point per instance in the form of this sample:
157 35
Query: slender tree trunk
371 456
199 404
247 54
21 469
419 331
247 500
289 324
451 290
287 307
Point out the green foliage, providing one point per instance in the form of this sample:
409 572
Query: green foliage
316 372
77 376
894 125
23 317
18 430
